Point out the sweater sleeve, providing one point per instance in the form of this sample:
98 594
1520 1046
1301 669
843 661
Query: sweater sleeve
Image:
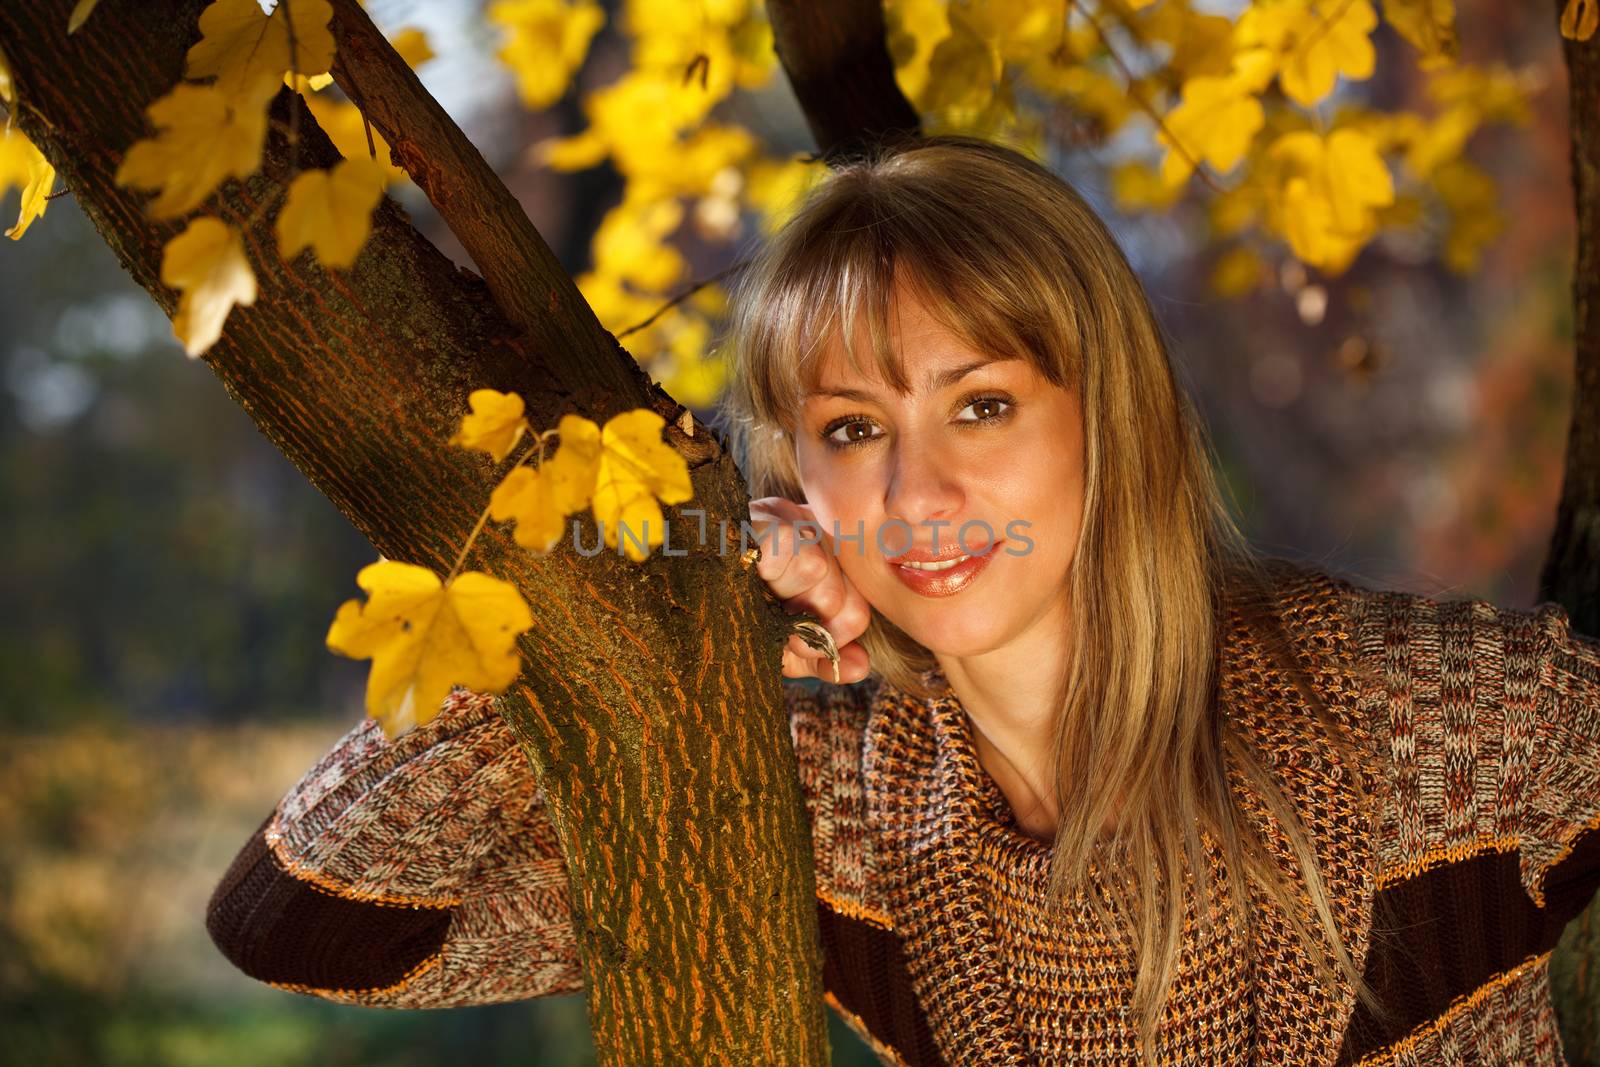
1560 852
419 872
424 871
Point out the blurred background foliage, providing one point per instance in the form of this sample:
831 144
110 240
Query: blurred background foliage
170 577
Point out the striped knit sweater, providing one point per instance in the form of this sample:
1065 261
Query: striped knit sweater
423 872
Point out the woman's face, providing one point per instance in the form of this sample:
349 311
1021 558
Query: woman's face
981 444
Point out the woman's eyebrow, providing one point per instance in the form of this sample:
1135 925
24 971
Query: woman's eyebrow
934 382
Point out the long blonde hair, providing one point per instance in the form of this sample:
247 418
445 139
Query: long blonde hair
1012 260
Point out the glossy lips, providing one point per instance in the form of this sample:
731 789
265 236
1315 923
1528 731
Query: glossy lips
947 581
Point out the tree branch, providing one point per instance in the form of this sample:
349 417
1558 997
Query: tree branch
526 280
836 55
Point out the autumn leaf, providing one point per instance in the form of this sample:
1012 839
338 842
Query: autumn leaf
22 164
207 265
625 471
41 177
331 211
1579 19
424 637
1430 25
248 50
636 470
539 499
412 44
1329 190
1468 194
80 14
1335 40
547 43
1215 121
203 138
1311 44
495 424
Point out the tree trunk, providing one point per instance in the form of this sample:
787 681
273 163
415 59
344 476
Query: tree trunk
1571 574
836 56
651 705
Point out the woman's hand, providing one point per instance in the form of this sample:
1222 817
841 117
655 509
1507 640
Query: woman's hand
807 578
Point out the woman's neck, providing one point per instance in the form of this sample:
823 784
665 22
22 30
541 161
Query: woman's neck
1012 696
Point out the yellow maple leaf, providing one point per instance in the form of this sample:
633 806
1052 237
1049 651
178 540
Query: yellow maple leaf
629 243
636 470
424 637
80 14
961 71
696 381
1335 40
22 164
1329 188
548 40
1430 25
1310 44
625 471
331 211
915 28
1138 187
41 176
248 50
1579 19
203 137
1215 121
539 500
207 265
412 44
495 424
1469 195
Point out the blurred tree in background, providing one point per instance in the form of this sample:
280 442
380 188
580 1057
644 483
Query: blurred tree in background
1389 394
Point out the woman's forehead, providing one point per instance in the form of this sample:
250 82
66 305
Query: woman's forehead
926 369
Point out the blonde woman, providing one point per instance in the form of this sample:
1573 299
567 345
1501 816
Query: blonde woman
1097 783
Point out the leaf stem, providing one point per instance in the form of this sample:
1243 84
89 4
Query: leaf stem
535 449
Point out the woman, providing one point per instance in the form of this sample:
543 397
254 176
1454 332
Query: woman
1096 784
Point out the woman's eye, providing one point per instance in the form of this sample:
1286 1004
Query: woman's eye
854 431
990 408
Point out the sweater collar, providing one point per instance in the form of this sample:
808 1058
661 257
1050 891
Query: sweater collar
924 787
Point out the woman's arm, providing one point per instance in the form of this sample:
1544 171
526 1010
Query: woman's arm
424 872
420 872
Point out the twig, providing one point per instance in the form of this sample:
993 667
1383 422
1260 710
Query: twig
294 68
535 449
681 297
1145 105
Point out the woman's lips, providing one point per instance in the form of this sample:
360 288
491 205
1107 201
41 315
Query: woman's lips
947 581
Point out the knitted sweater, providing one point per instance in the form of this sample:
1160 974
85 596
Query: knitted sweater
423 871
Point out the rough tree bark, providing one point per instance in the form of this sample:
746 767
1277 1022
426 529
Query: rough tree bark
1571 573
651 705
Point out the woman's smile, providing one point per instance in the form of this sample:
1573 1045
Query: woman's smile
946 576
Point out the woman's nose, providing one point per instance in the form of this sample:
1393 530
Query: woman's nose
923 487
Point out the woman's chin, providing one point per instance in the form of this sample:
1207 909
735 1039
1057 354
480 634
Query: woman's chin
953 635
